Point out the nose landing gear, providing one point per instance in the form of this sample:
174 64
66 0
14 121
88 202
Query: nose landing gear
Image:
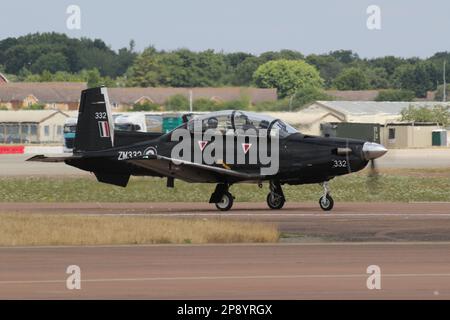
326 202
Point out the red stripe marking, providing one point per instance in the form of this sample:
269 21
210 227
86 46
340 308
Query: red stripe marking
106 124
12 149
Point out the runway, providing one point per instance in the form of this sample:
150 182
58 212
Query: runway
298 222
282 271
320 256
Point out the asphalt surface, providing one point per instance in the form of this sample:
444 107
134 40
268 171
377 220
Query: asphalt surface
15 165
322 255
327 257
298 222
289 271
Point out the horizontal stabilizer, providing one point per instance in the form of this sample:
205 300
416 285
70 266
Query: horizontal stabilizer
42 158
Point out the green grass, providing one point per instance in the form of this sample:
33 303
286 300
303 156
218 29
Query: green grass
390 187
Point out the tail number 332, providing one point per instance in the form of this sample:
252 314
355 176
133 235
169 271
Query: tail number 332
100 115
339 163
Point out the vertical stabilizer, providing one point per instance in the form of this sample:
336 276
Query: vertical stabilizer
95 127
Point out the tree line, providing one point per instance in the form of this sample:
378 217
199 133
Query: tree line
56 57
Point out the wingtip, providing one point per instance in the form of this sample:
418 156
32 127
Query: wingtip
36 158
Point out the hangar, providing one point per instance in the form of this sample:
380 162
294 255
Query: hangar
359 117
309 119
31 126
409 135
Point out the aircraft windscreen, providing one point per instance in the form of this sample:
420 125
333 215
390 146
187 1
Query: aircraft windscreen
284 128
241 120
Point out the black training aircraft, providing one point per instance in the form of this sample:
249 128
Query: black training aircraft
114 156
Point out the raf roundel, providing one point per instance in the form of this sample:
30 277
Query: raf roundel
151 151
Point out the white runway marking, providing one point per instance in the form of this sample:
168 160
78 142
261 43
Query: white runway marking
293 244
244 277
317 215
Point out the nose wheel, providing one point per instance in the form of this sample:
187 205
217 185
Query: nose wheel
275 198
326 202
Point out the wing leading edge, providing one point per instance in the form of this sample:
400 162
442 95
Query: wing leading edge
190 171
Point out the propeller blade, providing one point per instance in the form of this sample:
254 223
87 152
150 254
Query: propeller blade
373 176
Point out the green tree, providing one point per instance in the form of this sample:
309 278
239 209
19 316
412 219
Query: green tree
147 106
351 79
284 54
184 68
288 76
203 104
328 66
344 56
243 74
57 52
35 106
232 60
395 95
440 93
388 63
46 76
419 77
93 78
146 70
307 95
438 114
177 102
52 62
378 78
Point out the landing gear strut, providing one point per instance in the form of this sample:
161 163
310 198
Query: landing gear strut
326 201
275 198
222 198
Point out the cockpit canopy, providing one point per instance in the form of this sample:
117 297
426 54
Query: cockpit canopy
240 120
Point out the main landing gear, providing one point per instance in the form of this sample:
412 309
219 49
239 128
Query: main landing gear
222 198
275 198
326 201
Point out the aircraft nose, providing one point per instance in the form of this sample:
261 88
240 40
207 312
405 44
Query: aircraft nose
373 150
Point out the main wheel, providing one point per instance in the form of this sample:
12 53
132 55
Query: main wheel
226 202
275 201
326 203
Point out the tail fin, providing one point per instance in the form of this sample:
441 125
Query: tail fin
95 127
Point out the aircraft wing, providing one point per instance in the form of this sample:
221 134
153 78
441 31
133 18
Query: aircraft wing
190 171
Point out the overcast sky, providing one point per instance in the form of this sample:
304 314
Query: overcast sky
408 28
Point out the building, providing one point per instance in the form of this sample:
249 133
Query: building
124 98
408 135
368 120
54 95
372 132
310 118
31 126
66 95
353 95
